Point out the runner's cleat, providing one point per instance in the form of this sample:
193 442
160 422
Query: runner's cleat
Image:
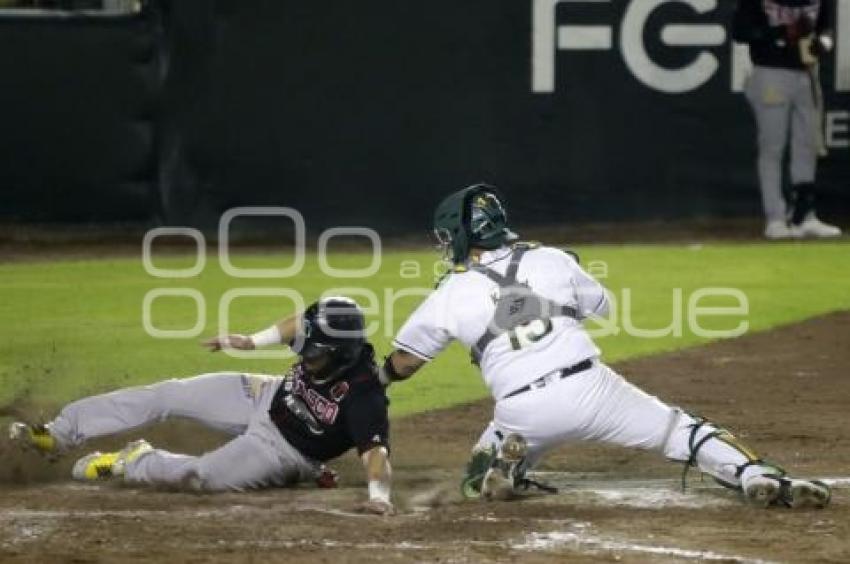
33 437
94 466
128 454
105 465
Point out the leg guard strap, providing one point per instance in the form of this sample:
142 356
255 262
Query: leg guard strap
723 436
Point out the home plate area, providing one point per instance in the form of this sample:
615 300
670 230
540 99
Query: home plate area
782 392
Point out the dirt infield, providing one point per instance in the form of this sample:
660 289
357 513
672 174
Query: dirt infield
785 392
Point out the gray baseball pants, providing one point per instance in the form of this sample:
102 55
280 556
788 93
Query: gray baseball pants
783 101
235 403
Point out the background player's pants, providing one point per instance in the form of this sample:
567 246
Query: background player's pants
600 405
783 99
237 404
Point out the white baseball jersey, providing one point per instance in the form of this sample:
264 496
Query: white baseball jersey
596 404
465 303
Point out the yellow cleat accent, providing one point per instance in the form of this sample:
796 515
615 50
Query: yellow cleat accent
33 437
129 454
105 465
94 466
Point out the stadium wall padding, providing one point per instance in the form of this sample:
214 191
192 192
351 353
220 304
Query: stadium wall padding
365 113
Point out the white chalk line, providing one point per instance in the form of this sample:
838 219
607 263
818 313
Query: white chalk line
31 525
577 539
642 493
599 480
23 532
30 514
648 493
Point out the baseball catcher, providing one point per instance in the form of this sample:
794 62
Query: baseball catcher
519 307
285 427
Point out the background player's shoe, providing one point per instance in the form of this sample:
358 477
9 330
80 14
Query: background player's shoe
504 474
811 226
106 465
777 229
33 437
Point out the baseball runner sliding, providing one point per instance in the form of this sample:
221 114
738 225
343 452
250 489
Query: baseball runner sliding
284 427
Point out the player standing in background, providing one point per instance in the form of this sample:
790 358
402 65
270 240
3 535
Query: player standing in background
285 427
786 39
518 307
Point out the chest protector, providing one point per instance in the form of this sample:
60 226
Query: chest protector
517 305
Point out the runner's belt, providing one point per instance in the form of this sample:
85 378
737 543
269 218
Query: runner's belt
541 382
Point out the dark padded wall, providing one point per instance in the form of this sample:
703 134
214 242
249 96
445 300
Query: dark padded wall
366 113
77 99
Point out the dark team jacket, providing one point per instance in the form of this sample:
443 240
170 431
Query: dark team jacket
762 24
323 422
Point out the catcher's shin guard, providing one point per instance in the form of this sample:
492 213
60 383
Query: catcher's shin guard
719 453
715 451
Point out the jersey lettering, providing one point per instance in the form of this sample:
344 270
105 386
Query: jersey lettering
528 333
324 409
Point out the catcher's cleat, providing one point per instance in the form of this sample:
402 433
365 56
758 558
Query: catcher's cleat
763 490
505 473
805 493
105 465
33 437
768 489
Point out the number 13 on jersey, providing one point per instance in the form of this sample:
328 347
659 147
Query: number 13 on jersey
531 332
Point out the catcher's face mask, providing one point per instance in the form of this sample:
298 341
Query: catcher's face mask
472 217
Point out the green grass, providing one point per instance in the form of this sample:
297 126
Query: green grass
69 328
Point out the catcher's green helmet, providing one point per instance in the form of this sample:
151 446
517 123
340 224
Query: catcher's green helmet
472 217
